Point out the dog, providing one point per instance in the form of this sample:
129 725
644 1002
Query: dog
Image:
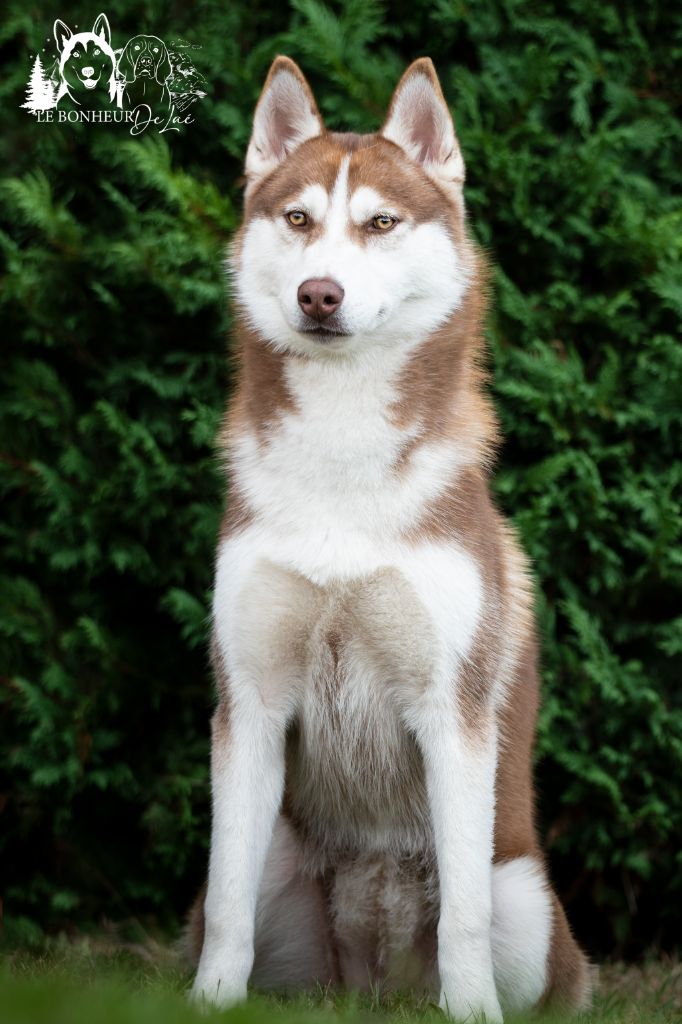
373 639
87 65
144 66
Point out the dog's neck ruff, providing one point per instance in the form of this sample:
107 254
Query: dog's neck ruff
339 455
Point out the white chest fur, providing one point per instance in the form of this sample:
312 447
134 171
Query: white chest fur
325 482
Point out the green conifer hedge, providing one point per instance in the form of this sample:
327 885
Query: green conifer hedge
114 374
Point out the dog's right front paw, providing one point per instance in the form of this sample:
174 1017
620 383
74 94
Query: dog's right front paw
473 1009
215 988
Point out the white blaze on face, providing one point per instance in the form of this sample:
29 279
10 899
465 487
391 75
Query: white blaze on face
314 201
398 285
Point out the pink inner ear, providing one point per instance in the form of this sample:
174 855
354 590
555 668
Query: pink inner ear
421 119
281 129
425 135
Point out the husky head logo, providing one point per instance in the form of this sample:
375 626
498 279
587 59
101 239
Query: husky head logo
87 63
351 242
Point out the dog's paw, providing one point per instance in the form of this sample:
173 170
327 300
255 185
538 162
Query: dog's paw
471 1009
213 988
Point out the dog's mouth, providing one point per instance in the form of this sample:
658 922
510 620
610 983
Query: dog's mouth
320 332
89 83
331 329
144 67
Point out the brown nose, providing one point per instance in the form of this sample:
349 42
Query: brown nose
320 297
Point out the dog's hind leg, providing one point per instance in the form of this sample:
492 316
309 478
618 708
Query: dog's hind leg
293 946
535 958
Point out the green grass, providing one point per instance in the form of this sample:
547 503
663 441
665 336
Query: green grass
97 982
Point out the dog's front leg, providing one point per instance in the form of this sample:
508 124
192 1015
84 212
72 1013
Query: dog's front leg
247 777
460 774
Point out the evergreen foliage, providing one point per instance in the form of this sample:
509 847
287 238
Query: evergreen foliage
114 374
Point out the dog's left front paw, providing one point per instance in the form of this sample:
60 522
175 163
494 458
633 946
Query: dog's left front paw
211 989
471 1009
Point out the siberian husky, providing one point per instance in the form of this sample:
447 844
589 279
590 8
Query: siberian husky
373 636
87 65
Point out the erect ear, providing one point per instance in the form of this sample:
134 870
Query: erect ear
286 115
62 34
420 123
101 28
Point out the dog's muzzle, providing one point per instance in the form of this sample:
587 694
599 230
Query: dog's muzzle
145 65
87 77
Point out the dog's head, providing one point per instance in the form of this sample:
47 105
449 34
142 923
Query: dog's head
86 59
145 57
351 240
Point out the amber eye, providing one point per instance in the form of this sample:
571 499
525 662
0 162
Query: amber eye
297 218
383 222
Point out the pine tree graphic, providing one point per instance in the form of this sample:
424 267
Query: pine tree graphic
40 92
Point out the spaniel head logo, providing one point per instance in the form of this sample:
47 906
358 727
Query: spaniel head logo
144 67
